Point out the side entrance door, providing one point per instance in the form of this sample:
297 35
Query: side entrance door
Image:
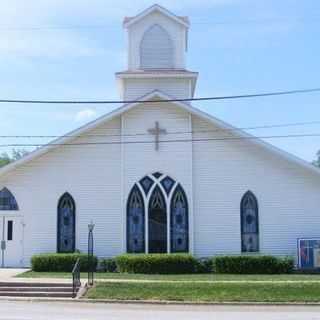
11 237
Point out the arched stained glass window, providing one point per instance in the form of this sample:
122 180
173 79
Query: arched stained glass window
157 222
7 200
179 221
66 224
135 222
249 223
156 49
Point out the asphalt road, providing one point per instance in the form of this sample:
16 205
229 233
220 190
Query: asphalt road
10 310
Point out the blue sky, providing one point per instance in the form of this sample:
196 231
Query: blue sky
57 49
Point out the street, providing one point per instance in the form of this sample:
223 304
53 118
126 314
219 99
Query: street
22 310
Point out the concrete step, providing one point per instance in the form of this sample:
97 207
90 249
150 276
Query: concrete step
34 289
35 284
37 294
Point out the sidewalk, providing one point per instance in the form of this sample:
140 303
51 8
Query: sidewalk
8 275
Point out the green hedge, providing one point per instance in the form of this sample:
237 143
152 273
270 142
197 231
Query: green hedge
252 264
157 263
60 262
108 265
204 265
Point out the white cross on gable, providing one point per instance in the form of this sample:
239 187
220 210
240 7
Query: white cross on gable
156 131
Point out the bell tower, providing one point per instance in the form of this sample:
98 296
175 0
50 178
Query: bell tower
157 45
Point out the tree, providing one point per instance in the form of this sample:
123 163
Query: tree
16 154
4 159
317 161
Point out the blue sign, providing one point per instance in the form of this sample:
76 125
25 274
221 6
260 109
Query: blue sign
309 253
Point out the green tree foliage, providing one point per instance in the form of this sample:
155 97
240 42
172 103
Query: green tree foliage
317 161
16 154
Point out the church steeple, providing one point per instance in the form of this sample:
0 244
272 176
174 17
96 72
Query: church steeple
157 45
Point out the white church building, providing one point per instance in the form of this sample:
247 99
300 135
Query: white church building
155 175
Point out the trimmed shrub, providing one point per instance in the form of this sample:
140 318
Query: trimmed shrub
157 263
108 265
252 264
60 262
204 265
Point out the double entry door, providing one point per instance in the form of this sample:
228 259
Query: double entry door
11 239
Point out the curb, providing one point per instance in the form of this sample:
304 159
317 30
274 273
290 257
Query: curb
161 302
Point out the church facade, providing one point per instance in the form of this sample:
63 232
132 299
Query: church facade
155 175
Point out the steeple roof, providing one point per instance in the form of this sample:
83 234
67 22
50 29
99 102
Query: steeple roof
128 21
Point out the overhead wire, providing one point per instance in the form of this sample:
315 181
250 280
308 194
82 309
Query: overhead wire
162 141
226 97
271 126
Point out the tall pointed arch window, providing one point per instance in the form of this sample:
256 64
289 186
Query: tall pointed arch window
249 223
157 222
7 200
179 224
156 49
66 224
135 222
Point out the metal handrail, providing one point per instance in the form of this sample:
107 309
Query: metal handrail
76 281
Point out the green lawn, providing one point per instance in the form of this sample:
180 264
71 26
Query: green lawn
181 277
208 292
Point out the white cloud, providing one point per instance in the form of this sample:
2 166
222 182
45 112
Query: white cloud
85 115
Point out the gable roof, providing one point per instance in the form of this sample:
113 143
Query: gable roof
158 95
128 21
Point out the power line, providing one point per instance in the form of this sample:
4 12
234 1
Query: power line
241 96
163 141
285 125
195 21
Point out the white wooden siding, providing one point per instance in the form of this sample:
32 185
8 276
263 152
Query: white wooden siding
288 195
214 174
91 174
136 88
142 159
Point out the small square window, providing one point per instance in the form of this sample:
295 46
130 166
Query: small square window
10 230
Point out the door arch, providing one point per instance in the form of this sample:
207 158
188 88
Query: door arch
157 222
161 205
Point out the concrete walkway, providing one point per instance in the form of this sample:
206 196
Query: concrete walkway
8 275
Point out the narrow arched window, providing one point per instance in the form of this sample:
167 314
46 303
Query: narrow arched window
7 200
179 224
156 49
135 222
249 223
66 224
157 224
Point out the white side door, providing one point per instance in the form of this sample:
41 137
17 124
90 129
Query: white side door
2 241
12 241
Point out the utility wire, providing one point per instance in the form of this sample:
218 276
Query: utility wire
163 141
286 125
242 96
195 21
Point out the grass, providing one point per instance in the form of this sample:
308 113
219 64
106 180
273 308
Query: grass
180 277
207 292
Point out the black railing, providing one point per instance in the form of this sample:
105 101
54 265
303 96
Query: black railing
76 281
91 265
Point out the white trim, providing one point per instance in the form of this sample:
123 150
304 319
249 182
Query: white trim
159 95
122 188
158 73
191 202
152 9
